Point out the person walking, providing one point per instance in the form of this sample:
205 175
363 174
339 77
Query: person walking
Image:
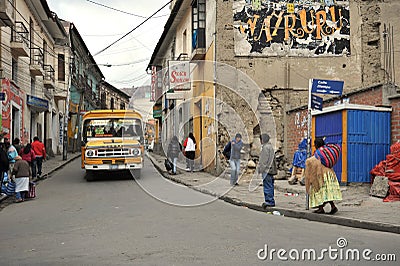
4 164
234 159
267 168
11 154
174 148
22 172
28 155
40 155
190 151
321 181
17 144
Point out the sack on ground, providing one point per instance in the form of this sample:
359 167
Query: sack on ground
32 191
10 188
168 165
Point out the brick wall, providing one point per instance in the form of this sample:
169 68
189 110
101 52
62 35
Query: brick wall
395 119
297 120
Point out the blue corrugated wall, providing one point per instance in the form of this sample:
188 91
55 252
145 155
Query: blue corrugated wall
368 140
329 125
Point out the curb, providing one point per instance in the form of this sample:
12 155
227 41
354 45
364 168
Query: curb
330 219
71 158
46 175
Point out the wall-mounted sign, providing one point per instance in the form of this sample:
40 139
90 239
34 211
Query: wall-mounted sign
179 75
38 103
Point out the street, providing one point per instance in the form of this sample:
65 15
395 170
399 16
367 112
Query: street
116 221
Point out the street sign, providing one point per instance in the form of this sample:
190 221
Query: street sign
327 86
316 102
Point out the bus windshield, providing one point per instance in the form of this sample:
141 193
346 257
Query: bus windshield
112 128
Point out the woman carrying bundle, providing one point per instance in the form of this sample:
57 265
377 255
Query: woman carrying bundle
321 181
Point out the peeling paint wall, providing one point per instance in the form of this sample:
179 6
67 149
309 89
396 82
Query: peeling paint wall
291 28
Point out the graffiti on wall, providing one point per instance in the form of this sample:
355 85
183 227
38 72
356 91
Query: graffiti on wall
13 98
292 27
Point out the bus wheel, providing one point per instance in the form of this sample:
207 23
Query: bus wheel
136 173
89 175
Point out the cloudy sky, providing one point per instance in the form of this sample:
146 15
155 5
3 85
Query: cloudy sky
100 26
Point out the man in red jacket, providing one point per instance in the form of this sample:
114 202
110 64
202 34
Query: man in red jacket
40 152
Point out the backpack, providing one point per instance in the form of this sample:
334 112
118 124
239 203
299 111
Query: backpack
227 150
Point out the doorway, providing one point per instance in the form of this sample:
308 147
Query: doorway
15 123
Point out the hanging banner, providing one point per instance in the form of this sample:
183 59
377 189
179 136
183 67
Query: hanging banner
179 75
153 84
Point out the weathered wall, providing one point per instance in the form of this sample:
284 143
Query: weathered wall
284 77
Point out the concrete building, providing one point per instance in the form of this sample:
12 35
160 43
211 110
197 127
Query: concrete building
34 83
112 98
85 79
263 55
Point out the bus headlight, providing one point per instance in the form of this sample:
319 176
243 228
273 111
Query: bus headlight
135 152
90 153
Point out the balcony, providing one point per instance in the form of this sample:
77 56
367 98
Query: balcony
48 93
19 40
6 13
198 44
48 78
82 83
36 66
60 94
92 98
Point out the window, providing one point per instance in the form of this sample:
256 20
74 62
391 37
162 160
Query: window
45 50
112 103
61 67
184 41
33 85
198 24
122 106
14 67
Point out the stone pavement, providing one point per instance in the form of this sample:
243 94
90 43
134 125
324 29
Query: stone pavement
357 209
49 166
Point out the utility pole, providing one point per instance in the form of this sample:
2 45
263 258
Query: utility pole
66 111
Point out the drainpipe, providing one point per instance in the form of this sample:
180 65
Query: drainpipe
215 91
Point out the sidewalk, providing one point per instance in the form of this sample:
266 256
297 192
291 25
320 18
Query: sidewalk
357 209
51 165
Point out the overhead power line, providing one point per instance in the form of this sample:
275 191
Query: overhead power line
108 46
121 11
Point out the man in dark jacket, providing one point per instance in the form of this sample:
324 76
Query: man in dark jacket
174 148
234 160
267 168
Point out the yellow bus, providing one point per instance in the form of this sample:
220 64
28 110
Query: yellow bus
112 140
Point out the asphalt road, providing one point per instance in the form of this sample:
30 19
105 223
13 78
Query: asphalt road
118 221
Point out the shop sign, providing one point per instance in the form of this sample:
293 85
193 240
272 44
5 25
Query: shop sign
37 102
179 75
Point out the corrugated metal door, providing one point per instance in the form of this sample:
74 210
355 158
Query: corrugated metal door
329 125
368 142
